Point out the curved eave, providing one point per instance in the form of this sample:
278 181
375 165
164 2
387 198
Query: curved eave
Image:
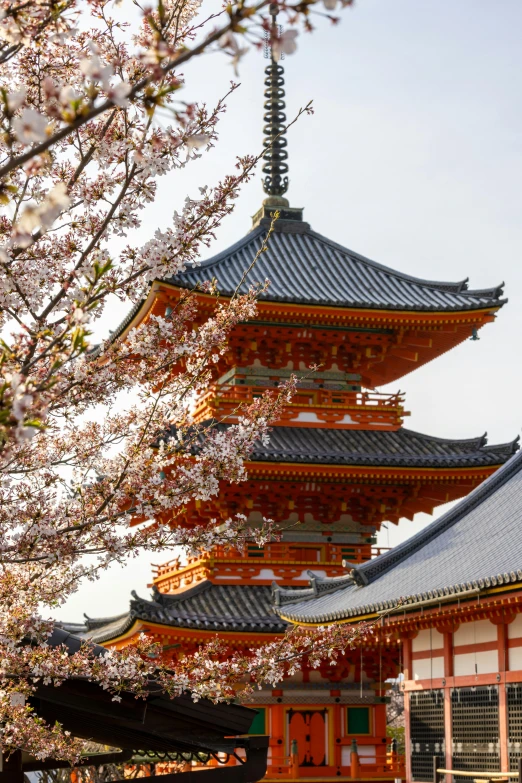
186 634
447 329
139 312
320 313
380 473
361 306
499 584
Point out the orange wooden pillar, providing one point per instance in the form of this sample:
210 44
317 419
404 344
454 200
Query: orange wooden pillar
448 676
407 670
355 768
337 733
503 665
277 736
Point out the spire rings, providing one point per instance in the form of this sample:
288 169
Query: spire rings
275 168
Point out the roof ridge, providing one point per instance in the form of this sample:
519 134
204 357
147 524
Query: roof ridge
95 622
102 633
168 599
374 568
213 260
319 585
480 439
459 287
510 444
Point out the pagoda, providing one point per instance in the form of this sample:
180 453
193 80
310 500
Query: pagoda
339 463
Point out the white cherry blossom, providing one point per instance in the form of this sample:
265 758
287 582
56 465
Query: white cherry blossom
96 70
286 43
16 99
97 440
30 126
118 94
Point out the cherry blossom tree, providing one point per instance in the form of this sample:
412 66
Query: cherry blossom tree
93 110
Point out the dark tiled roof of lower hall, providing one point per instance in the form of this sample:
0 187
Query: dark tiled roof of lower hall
306 267
477 544
404 447
206 607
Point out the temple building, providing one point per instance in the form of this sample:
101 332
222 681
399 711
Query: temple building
339 463
452 597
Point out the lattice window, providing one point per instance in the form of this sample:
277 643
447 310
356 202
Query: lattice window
476 745
426 732
514 708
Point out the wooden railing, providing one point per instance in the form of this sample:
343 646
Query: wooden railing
363 408
311 553
283 767
479 776
310 396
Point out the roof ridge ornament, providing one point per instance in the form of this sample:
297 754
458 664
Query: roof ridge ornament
275 168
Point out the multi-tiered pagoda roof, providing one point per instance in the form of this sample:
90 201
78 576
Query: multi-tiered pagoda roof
335 286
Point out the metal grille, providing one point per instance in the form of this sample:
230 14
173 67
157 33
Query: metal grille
514 709
476 745
426 732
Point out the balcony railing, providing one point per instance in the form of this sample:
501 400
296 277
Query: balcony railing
283 552
309 406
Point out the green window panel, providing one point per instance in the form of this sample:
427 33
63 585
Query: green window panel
259 723
358 720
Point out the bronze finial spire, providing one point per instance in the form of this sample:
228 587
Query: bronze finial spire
275 169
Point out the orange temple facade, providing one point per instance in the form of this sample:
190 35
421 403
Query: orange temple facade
339 464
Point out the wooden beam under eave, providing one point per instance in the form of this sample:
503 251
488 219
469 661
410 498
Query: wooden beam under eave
437 494
416 341
373 375
403 353
408 512
448 328
424 505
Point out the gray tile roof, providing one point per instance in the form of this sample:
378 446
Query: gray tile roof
207 607
404 447
305 267
477 544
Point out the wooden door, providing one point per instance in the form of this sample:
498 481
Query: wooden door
310 729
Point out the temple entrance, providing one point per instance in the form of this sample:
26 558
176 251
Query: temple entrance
310 729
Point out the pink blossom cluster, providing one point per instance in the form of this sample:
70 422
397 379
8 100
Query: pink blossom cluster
92 113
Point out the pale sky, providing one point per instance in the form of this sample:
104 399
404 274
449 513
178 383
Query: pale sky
413 158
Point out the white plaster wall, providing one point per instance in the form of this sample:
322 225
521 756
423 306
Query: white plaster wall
475 632
515 628
366 755
421 642
487 662
515 659
308 416
426 668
